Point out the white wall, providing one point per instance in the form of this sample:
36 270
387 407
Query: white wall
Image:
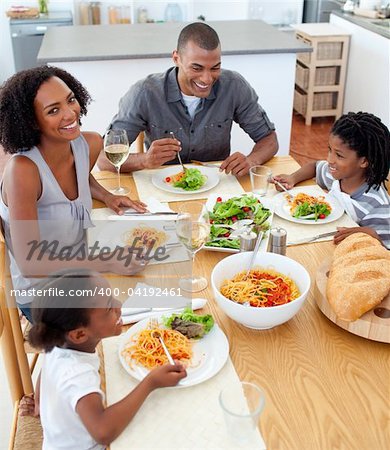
367 85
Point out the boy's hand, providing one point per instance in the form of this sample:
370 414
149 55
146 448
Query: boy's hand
167 375
28 406
286 180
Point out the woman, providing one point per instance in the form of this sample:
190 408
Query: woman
47 185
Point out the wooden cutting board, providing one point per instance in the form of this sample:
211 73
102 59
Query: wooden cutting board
374 324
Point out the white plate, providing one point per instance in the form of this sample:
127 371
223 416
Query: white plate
209 355
282 208
265 201
158 179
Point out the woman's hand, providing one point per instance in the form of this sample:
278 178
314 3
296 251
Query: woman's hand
286 180
166 376
343 232
117 202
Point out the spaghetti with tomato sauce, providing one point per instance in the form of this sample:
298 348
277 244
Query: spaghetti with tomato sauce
262 288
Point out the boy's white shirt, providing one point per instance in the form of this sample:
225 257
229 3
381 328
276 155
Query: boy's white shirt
67 375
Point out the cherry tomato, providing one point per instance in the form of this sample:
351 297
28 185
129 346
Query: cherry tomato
246 208
219 199
211 221
226 235
168 179
234 219
321 216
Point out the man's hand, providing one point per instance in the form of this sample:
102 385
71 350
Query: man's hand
161 151
237 164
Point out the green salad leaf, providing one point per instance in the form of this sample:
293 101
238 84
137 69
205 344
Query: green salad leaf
231 210
193 179
309 211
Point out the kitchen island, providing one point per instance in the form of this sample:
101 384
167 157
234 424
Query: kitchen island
108 59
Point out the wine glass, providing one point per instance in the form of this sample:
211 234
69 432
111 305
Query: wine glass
193 229
116 149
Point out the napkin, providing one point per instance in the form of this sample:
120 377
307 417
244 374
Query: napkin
196 303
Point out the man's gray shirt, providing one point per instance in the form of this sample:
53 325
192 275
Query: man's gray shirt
155 105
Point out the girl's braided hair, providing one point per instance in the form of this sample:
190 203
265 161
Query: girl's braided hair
370 138
19 130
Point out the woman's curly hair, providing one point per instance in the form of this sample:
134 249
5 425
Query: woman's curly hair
19 130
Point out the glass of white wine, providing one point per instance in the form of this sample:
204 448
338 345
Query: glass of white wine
193 229
116 149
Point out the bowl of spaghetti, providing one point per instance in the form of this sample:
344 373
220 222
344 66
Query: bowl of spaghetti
272 293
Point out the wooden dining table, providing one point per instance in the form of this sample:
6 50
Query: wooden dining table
325 387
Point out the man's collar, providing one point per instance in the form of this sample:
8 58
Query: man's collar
173 89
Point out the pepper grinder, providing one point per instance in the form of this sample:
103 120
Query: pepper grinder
278 241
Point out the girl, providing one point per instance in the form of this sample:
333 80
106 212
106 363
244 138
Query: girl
69 328
47 185
355 173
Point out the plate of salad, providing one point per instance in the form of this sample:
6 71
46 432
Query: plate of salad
193 179
227 211
306 207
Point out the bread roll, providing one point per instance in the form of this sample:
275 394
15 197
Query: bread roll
359 277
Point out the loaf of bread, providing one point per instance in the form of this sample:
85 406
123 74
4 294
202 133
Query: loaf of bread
359 277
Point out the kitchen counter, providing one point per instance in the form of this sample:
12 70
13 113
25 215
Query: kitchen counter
157 40
366 23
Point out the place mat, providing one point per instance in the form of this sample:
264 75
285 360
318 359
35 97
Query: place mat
228 184
299 233
187 418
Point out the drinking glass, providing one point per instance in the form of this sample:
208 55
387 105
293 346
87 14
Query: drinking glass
116 149
192 229
242 404
260 176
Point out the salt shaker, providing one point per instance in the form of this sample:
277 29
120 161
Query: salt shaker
247 240
278 240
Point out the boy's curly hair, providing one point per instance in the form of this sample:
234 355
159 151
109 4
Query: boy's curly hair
370 138
19 130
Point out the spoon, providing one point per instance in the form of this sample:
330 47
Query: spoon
172 134
256 249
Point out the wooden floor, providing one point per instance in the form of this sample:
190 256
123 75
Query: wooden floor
308 143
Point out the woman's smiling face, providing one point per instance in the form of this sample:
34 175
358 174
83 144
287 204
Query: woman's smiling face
57 111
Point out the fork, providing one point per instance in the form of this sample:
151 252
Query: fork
153 323
172 134
272 179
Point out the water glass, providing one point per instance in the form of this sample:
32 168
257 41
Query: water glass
242 404
260 176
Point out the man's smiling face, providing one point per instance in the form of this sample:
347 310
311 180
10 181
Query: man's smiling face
198 68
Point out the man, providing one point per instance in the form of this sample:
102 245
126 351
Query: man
191 108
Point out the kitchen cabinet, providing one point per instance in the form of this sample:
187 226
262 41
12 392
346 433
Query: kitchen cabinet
320 76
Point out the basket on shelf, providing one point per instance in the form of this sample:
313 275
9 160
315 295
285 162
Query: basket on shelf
324 76
325 50
321 101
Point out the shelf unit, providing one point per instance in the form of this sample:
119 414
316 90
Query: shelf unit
320 75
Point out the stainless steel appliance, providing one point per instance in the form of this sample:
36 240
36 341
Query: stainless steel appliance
319 10
27 35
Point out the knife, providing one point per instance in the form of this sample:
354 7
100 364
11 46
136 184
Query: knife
196 303
157 213
201 163
314 238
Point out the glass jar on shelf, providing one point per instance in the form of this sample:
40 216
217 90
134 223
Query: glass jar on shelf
142 16
173 13
113 15
125 16
95 13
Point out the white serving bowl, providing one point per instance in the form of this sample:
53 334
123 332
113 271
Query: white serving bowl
267 317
